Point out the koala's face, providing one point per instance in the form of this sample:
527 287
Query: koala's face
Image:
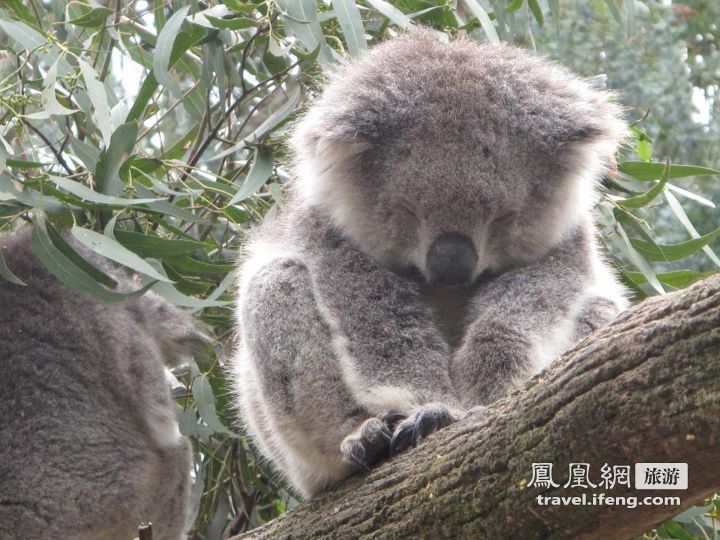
454 202
455 159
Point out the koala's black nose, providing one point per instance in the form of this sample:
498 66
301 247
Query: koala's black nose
451 259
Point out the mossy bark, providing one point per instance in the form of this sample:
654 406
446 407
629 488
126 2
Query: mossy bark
644 389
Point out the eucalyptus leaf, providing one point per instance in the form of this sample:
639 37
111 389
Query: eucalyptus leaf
237 23
66 249
514 5
256 178
348 15
50 104
653 171
122 143
673 252
678 279
91 17
637 259
154 246
163 49
190 427
171 294
87 194
183 42
536 11
98 97
677 209
205 403
24 35
680 191
189 264
86 153
67 272
113 250
168 208
7 274
301 20
201 17
391 12
222 288
646 198
20 10
487 25
23 164
14 191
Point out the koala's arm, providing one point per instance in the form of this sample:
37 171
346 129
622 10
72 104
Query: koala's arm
324 356
292 397
527 317
392 356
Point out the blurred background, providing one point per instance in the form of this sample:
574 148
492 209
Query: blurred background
160 126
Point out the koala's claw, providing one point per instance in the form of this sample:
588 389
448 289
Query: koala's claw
355 452
424 422
392 419
368 445
402 437
377 438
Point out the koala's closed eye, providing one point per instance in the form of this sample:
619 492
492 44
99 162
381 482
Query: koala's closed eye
504 219
409 209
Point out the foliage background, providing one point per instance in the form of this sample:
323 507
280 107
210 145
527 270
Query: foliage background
154 131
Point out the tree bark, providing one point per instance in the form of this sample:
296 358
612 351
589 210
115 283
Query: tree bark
643 389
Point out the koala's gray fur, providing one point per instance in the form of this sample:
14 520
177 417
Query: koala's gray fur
346 344
89 444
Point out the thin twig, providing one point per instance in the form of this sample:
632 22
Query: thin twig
108 55
197 154
52 148
168 111
246 50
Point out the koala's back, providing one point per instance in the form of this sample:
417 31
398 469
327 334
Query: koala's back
88 440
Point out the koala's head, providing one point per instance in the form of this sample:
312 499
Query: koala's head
455 158
175 332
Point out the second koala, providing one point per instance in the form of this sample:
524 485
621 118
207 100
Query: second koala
438 249
89 443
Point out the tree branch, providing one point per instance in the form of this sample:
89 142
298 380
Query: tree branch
644 389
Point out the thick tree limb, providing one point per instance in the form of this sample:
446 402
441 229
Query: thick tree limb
644 389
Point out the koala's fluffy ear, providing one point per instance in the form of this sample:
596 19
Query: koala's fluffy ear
327 144
175 331
359 107
333 131
571 115
320 136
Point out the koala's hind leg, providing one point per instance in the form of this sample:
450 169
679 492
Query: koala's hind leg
595 313
292 394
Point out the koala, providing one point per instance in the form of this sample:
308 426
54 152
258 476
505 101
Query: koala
437 250
88 437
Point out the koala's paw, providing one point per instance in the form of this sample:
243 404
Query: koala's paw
368 445
426 420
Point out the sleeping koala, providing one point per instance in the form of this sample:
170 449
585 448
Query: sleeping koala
89 442
438 249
